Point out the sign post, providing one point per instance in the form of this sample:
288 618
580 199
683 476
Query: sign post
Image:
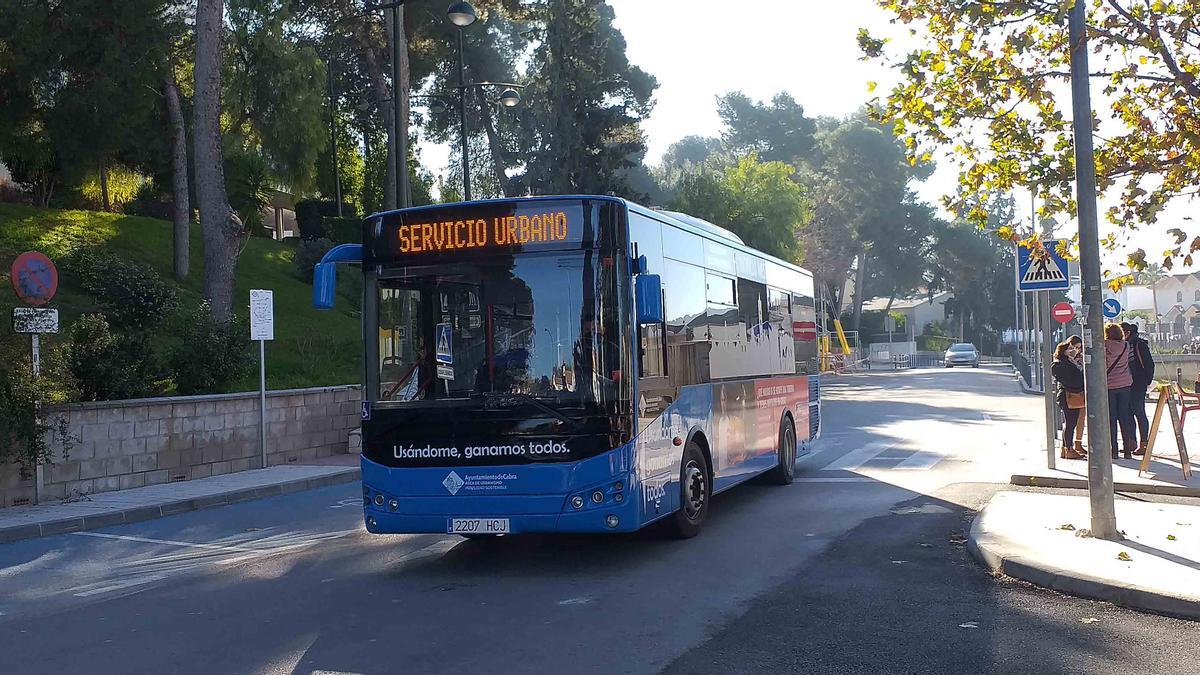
262 328
35 280
1040 272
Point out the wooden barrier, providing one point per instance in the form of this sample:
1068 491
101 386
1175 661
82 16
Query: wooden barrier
1167 394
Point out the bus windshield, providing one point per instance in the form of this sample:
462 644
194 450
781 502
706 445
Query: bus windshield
541 325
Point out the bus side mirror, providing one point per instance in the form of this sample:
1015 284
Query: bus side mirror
648 289
324 285
641 265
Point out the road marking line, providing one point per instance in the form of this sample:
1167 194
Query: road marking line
856 458
168 542
919 461
436 548
138 581
859 479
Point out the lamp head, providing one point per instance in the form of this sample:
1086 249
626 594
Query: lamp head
510 97
462 14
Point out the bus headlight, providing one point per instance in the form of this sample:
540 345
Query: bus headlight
577 502
612 521
618 498
393 505
598 496
378 500
618 486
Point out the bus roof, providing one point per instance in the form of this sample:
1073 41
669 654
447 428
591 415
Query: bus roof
681 220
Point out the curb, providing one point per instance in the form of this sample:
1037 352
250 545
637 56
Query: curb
1025 480
1025 389
142 513
1083 586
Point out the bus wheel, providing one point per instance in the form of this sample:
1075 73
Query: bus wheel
695 492
785 473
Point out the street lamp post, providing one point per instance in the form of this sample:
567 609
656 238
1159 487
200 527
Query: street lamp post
462 14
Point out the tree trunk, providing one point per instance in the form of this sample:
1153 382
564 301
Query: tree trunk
381 91
400 93
103 171
860 280
497 153
219 225
181 212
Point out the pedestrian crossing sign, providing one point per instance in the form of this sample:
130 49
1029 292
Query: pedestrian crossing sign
1046 271
445 354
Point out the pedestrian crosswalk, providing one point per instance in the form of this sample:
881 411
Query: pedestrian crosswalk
887 455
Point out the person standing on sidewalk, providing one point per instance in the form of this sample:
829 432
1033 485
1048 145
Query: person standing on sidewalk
1120 410
1075 352
1070 397
1141 368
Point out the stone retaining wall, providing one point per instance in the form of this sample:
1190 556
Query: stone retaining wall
124 444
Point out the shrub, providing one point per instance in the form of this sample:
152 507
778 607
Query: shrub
308 254
25 435
311 213
131 294
151 202
211 354
107 365
344 230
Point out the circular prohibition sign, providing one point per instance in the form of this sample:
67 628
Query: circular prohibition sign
34 278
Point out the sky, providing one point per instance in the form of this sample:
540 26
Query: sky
700 49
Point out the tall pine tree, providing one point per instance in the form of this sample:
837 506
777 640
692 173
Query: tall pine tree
586 103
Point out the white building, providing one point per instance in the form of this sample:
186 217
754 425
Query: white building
919 311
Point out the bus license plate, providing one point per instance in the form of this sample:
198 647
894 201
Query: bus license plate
477 526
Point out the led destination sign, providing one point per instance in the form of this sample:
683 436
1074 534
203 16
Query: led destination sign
474 229
452 235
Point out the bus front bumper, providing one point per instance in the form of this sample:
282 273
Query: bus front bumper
561 512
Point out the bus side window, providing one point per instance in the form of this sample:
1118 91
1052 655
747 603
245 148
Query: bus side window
780 315
687 332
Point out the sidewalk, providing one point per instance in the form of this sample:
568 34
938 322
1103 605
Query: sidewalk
137 504
1165 476
1036 537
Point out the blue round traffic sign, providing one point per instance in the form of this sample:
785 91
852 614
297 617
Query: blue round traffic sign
1112 307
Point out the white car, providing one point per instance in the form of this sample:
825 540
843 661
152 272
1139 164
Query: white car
961 354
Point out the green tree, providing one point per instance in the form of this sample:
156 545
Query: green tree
586 102
778 131
72 100
985 78
757 200
863 209
274 91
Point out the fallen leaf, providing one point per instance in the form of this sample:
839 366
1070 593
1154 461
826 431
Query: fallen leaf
1088 619
1123 556
1068 527
1170 537
969 624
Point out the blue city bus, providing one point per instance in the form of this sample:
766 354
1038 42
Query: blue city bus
572 364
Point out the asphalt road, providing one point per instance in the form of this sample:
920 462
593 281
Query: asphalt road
830 574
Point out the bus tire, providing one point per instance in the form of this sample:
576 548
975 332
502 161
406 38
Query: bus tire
785 473
695 492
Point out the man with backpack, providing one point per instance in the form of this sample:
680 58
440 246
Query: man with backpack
1141 366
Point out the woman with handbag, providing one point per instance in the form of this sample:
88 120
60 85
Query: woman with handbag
1120 380
1069 377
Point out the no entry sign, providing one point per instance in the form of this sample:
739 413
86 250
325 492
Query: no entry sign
1062 312
34 278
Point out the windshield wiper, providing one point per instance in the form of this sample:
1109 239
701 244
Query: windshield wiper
505 400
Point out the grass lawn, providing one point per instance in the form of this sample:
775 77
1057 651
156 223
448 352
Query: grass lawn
311 348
